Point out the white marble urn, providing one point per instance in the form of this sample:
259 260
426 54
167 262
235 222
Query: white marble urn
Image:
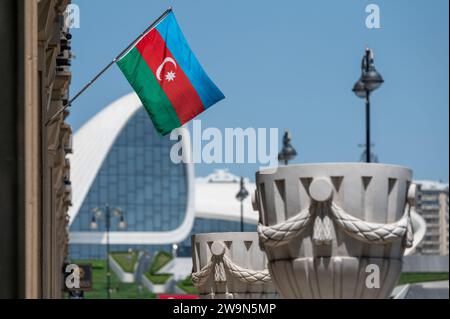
335 230
230 266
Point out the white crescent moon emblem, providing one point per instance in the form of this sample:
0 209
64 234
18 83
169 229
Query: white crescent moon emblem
159 70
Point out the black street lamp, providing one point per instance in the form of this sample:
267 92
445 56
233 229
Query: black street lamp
373 156
240 196
288 152
98 214
369 81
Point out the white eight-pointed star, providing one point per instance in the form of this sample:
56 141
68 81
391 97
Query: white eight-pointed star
170 76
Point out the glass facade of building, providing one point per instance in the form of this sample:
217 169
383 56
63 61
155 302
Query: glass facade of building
138 177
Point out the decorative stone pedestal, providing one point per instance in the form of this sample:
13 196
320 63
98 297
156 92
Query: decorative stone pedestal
335 230
230 265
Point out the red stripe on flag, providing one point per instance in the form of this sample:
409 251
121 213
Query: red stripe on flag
173 80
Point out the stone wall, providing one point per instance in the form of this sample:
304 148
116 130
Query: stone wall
54 78
35 189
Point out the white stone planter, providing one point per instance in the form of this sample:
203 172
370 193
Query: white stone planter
230 265
121 274
326 227
157 288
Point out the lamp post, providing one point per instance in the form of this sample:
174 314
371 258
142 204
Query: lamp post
288 152
240 196
174 250
369 81
98 214
363 157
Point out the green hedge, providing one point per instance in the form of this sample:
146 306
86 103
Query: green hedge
187 286
415 277
158 279
120 290
126 263
160 259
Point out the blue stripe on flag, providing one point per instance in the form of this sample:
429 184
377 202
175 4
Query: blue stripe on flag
175 41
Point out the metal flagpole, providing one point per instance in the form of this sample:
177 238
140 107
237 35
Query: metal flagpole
99 74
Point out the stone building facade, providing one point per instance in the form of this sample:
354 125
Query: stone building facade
35 186
433 206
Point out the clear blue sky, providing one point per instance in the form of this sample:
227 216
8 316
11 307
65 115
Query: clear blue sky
292 64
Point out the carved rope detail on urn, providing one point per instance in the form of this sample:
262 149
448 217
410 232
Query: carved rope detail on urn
322 208
219 262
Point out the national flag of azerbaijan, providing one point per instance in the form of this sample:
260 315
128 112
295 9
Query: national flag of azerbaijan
167 77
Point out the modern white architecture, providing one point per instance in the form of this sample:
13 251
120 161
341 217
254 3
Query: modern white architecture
121 161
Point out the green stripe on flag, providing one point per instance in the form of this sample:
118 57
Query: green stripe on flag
147 87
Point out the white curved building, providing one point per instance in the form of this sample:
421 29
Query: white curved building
121 161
